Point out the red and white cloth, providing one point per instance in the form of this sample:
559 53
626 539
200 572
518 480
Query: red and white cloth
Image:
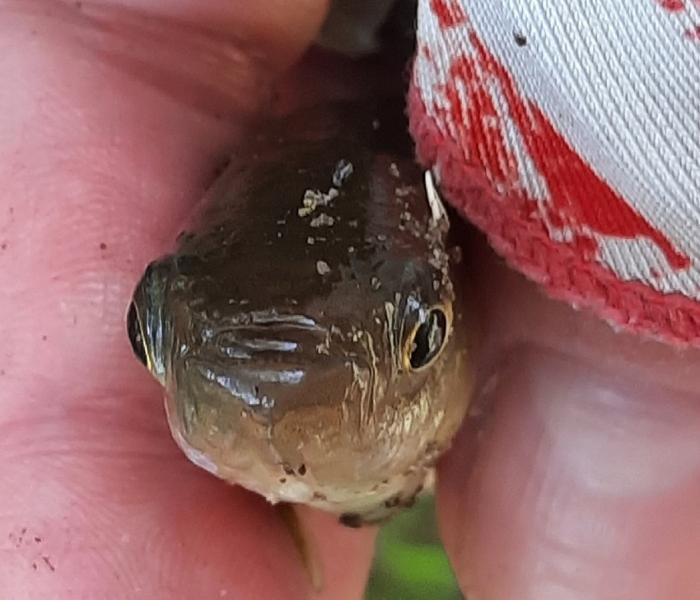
569 131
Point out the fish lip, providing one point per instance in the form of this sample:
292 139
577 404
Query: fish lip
240 388
262 357
263 333
254 360
267 318
283 375
265 348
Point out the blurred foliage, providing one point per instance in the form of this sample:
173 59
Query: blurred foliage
410 563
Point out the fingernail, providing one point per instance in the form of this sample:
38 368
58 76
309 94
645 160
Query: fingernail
613 436
584 484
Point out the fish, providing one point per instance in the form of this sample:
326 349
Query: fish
309 327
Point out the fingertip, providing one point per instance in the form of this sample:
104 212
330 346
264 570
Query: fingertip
280 31
343 554
576 474
577 484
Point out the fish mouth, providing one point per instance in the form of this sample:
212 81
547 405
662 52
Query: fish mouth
264 472
248 385
266 334
280 405
264 362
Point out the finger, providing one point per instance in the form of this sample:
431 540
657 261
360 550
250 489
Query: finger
108 134
578 475
278 30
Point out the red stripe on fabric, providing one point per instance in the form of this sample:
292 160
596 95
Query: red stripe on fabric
526 245
448 12
580 198
693 34
672 5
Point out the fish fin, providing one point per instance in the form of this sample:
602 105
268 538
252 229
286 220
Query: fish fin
304 543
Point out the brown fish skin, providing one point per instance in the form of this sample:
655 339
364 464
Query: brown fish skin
282 325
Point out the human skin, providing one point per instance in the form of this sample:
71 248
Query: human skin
577 476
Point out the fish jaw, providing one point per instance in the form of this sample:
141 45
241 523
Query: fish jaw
365 503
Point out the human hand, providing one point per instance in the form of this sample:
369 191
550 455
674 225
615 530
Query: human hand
578 480
112 125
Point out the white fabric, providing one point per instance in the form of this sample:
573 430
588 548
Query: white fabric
620 81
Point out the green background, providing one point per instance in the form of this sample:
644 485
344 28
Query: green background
410 563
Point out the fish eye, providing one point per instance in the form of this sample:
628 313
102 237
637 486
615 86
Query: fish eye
426 340
133 327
